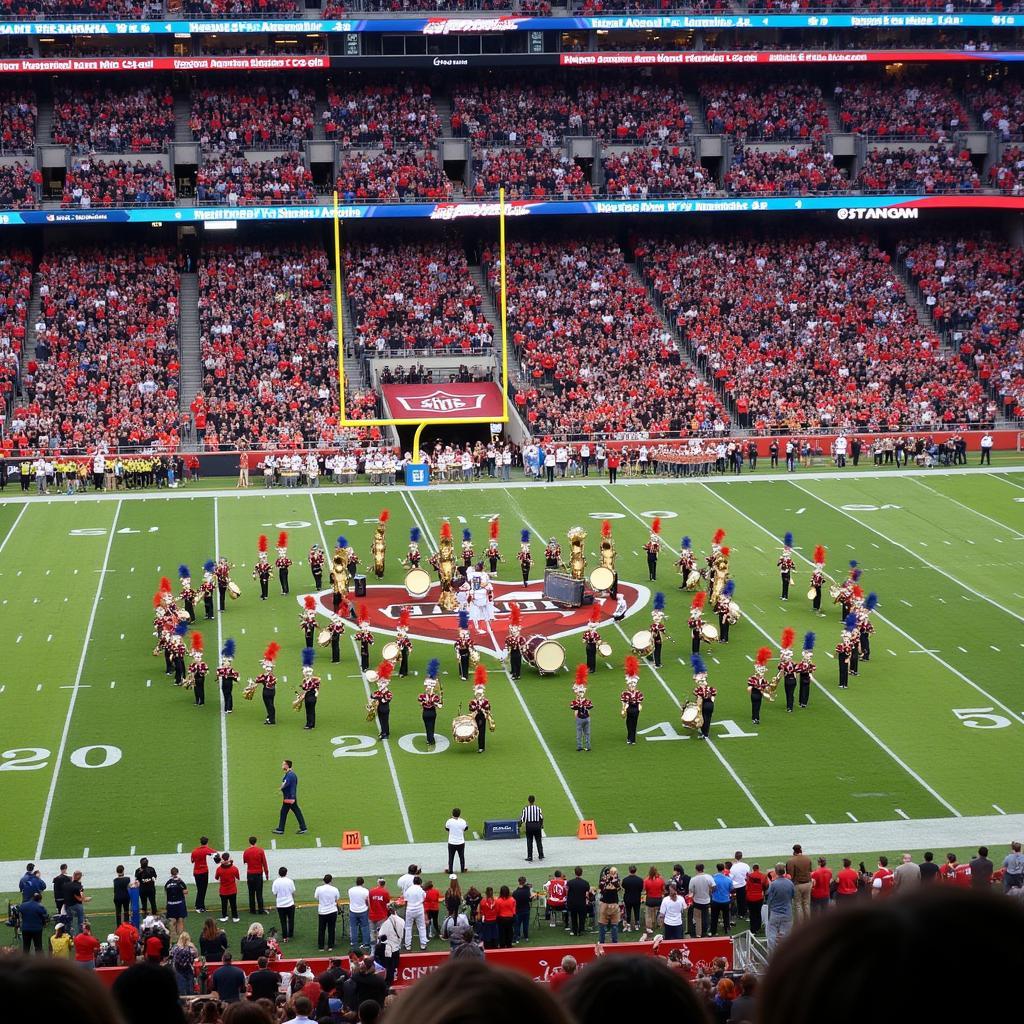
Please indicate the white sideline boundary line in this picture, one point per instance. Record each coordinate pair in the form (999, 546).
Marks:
(403, 810)
(417, 514)
(225, 801)
(59, 757)
(14, 526)
(846, 711)
(967, 508)
(1006, 480)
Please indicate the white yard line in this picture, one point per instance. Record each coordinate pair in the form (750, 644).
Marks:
(14, 526)
(967, 508)
(225, 800)
(59, 757)
(1006, 479)
(402, 809)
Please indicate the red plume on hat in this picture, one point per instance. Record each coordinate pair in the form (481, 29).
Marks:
(364, 613)
(725, 551)
(606, 529)
(271, 652)
(581, 675)
(165, 585)
(446, 531)
(787, 638)
(404, 616)
(197, 642)
(495, 526)
(156, 601)
(515, 614)
(719, 536)
(595, 614)
(697, 604)
(384, 516)
(819, 554)
(262, 543)
(384, 670)
(480, 676)
(632, 665)
(858, 591)
(764, 655)
(656, 525)
(310, 602)
(282, 539)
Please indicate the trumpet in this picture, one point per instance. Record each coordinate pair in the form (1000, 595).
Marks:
(300, 699)
(371, 710)
(773, 685)
(250, 690)
(490, 722)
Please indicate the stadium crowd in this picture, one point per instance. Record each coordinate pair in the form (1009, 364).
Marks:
(799, 170)
(921, 111)
(91, 183)
(113, 119)
(364, 116)
(668, 170)
(15, 293)
(1000, 108)
(769, 111)
(529, 172)
(134, 9)
(939, 168)
(273, 113)
(234, 181)
(19, 185)
(17, 121)
(389, 176)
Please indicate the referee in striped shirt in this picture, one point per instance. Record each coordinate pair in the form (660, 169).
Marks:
(533, 819)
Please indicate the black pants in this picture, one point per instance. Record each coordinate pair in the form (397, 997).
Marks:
(986, 457)
(264, 587)
(390, 965)
(515, 662)
(310, 706)
(208, 605)
(805, 688)
(586, 465)
(122, 910)
(325, 925)
(310, 634)
(384, 719)
(632, 717)
(723, 629)
(755, 706)
(336, 597)
(364, 656)
(231, 901)
(695, 642)
(221, 591)
(202, 884)
(719, 910)
(786, 579)
(199, 690)
(318, 578)
(844, 672)
(855, 659)
(335, 648)
(255, 885)
(268, 703)
(549, 472)
(296, 810)
(865, 647)
(652, 566)
(286, 915)
(191, 609)
(741, 901)
(816, 604)
(708, 710)
(755, 907)
(226, 688)
(613, 475)
(591, 656)
(481, 731)
(30, 939)
(456, 850)
(577, 921)
(403, 664)
(505, 930)
(464, 664)
(533, 835)
(147, 896)
(789, 685)
(631, 914)
(657, 654)
(282, 575)
(526, 576)
(429, 721)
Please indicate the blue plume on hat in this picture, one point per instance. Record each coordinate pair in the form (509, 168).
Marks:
(871, 601)
(788, 539)
(463, 620)
(342, 542)
(686, 542)
(698, 664)
(809, 639)
(228, 650)
(414, 535)
(181, 629)
(856, 575)
(525, 536)
(850, 622)
(466, 535)
(730, 588)
(308, 654)
(853, 563)
(183, 570)
(433, 667)
(659, 602)
(209, 565)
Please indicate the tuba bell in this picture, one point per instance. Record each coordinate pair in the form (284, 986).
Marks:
(300, 699)
(371, 710)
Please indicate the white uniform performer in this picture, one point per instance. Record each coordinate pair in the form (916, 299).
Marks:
(481, 602)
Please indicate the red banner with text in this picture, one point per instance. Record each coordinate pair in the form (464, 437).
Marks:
(442, 401)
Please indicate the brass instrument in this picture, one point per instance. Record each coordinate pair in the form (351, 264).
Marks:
(623, 709)
(490, 722)
(773, 685)
(834, 591)
(693, 579)
(719, 579)
(446, 574)
(378, 548)
(300, 699)
(339, 574)
(734, 613)
(577, 557)
(608, 553)
(371, 710)
(250, 690)
(474, 657)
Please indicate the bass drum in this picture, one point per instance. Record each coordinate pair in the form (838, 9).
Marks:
(234, 591)
(708, 633)
(464, 729)
(391, 652)
(812, 593)
(370, 676)
(417, 582)
(691, 715)
(693, 579)
(642, 643)
(323, 638)
(602, 578)
(604, 649)
(546, 656)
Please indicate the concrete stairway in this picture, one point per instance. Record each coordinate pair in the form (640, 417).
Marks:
(188, 342)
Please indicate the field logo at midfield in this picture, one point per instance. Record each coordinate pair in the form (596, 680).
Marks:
(384, 604)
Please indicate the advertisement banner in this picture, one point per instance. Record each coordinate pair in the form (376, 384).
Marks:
(63, 65)
(442, 401)
(692, 58)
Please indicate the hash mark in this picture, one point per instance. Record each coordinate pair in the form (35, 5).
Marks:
(994, 648)
(632, 827)
(903, 814)
(810, 819)
(722, 823)
(962, 650)
(849, 814)
(998, 808)
(678, 827)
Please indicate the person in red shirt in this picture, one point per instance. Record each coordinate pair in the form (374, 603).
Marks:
(506, 907)
(883, 880)
(86, 947)
(432, 908)
(227, 876)
(379, 900)
(654, 893)
(821, 886)
(127, 940)
(489, 919)
(757, 883)
(557, 979)
(256, 872)
(201, 871)
(846, 882)
(955, 872)
(153, 949)
(558, 899)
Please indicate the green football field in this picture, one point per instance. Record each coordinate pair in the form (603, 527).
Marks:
(102, 753)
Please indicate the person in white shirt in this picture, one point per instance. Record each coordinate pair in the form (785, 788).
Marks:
(284, 895)
(585, 457)
(738, 874)
(327, 897)
(986, 450)
(359, 914)
(414, 916)
(561, 459)
(549, 466)
(404, 881)
(390, 933)
(670, 913)
(456, 827)
(506, 463)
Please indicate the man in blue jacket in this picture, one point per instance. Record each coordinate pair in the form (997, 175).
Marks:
(289, 799)
(33, 919)
(31, 882)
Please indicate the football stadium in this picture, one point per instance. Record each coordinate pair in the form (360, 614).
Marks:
(604, 601)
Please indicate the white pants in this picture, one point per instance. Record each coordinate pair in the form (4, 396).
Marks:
(420, 919)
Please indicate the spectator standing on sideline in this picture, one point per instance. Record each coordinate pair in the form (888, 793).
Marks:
(981, 869)
(577, 894)
(670, 913)
(632, 898)
(757, 882)
(145, 875)
(327, 899)
(389, 937)
(227, 878)
(415, 914)
(929, 869)
(30, 883)
(201, 871)
(74, 903)
(86, 948)
(907, 874)
(379, 901)
(289, 799)
(33, 919)
(122, 898)
(456, 827)
(779, 902)
(175, 892)
(533, 821)
(701, 886)
(263, 982)
(1013, 868)
(228, 981)
(359, 914)
(284, 897)
(986, 450)
(58, 883)
(821, 886)
(654, 893)
(256, 870)
(738, 873)
(798, 867)
(721, 899)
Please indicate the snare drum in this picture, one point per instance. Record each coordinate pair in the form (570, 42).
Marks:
(604, 649)
(643, 643)
(693, 580)
(417, 582)
(183, 616)
(708, 633)
(391, 652)
(370, 676)
(691, 715)
(812, 593)
(464, 729)
(546, 656)
(234, 591)
(323, 638)
(602, 578)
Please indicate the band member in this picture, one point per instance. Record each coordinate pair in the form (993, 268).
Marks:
(227, 674)
(581, 707)
(608, 554)
(337, 628)
(463, 645)
(786, 565)
(206, 588)
(282, 561)
(381, 699)
(379, 544)
(310, 687)
(412, 559)
(716, 549)
(723, 612)
(467, 549)
(525, 558)
(268, 681)
(805, 668)
(591, 638)
(653, 548)
(515, 642)
(843, 651)
(552, 554)
(403, 641)
(757, 686)
(187, 595)
(856, 603)
(696, 621)
(866, 626)
(481, 598)
(261, 571)
(704, 693)
(316, 566)
(492, 553)
(621, 607)
(686, 564)
(364, 637)
(198, 669)
(307, 620)
(430, 700)
(632, 698)
(339, 575)
(222, 570)
(845, 596)
(787, 667)
(163, 630)
(658, 626)
(351, 560)
(177, 649)
(818, 578)
(480, 708)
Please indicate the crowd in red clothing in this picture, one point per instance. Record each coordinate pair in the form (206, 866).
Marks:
(885, 109)
(1000, 108)
(217, 8)
(769, 110)
(399, 6)
(19, 185)
(392, 175)
(810, 333)
(92, 183)
(381, 115)
(799, 170)
(261, 114)
(105, 366)
(235, 181)
(938, 168)
(15, 290)
(412, 297)
(589, 8)
(1007, 173)
(135, 9)
(528, 172)
(17, 121)
(594, 351)
(665, 170)
(113, 119)
(975, 289)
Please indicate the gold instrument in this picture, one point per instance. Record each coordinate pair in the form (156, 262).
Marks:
(190, 681)
(691, 715)
(300, 699)
(812, 593)
(719, 579)
(773, 686)
(378, 548)
(234, 591)
(446, 574)
(371, 710)
(250, 690)
(623, 709)
(577, 557)
(834, 591)
(608, 554)
(490, 722)
(693, 579)
(339, 574)
(734, 613)
(474, 657)
(604, 649)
